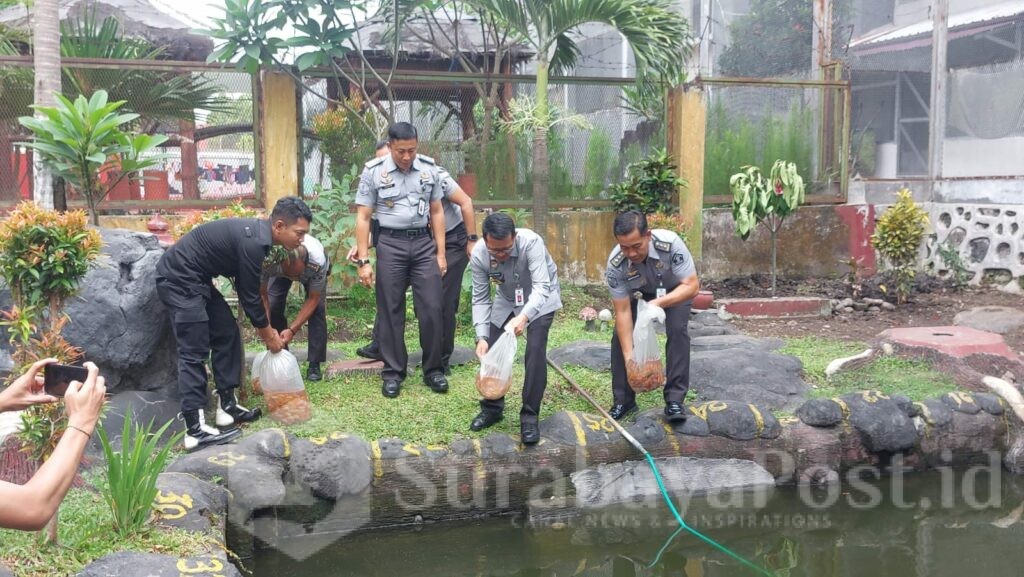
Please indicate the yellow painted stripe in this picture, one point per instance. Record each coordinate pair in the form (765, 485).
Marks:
(671, 434)
(581, 435)
(378, 466)
(843, 406)
(759, 418)
(287, 446)
(481, 470)
(411, 449)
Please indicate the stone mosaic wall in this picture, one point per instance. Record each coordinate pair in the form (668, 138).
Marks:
(988, 238)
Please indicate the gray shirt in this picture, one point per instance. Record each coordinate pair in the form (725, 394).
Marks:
(400, 199)
(529, 269)
(452, 211)
(314, 275)
(668, 263)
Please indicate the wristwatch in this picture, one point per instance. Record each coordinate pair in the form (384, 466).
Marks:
(361, 261)
(473, 237)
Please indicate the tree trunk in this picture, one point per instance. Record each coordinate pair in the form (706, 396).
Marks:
(46, 63)
(50, 530)
(541, 166)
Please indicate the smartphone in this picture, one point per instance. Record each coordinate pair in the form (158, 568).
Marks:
(56, 378)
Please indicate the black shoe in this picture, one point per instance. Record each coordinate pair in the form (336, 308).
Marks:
(198, 434)
(437, 383)
(391, 388)
(675, 412)
(370, 351)
(313, 372)
(229, 412)
(485, 419)
(619, 412)
(529, 433)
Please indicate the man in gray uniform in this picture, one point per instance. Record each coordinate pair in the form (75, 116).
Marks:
(460, 238)
(656, 265)
(404, 190)
(309, 266)
(526, 294)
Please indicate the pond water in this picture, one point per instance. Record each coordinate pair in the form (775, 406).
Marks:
(944, 523)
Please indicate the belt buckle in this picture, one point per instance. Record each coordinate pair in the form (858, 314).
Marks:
(412, 232)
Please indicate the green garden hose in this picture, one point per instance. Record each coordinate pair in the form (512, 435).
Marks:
(657, 477)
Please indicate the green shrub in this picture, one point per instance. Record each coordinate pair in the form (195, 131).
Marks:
(898, 236)
(650, 186)
(598, 164)
(131, 473)
(334, 223)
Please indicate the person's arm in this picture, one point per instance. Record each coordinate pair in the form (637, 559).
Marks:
(28, 507)
(264, 295)
(624, 326)
(437, 227)
(363, 214)
(465, 204)
(481, 300)
(684, 291)
(26, 390)
(540, 289)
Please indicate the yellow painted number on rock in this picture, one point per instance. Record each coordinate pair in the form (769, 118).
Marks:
(172, 506)
(226, 459)
(596, 424)
(873, 396)
(212, 567)
(961, 398)
(716, 406)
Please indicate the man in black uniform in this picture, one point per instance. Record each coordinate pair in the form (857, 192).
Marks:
(309, 266)
(202, 321)
(403, 189)
(656, 265)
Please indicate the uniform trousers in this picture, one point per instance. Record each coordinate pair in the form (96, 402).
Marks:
(203, 324)
(677, 349)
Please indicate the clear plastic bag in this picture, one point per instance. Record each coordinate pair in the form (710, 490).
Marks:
(644, 370)
(495, 376)
(254, 372)
(283, 389)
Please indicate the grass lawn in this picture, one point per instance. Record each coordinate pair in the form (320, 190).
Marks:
(85, 529)
(355, 404)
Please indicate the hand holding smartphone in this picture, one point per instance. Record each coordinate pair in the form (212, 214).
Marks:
(57, 377)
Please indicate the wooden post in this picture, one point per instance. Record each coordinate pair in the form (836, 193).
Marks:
(279, 137)
(937, 107)
(189, 160)
(687, 120)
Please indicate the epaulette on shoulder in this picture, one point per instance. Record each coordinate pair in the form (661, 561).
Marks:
(617, 259)
(374, 162)
(663, 246)
(425, 158)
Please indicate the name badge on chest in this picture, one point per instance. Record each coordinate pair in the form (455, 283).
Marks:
(520, 297)
(422, 209)
(660, 292)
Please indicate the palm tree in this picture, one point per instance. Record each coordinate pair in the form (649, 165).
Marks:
(658, 35)
(46, 63)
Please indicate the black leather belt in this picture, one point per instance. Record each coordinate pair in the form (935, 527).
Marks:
(406, 232)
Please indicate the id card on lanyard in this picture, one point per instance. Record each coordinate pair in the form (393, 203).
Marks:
(660, 292)
(520, 298)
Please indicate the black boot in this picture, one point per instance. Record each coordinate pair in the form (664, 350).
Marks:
(198, 434)
(313, 372)
(370, 351)
(229, 412)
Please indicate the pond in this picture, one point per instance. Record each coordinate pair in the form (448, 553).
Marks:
(948, 522)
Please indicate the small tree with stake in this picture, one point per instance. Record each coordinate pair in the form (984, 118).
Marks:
(768, 201)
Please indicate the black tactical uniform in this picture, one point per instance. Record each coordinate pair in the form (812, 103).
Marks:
(202, 320)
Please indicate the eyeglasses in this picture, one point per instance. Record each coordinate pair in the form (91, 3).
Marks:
(500, 251)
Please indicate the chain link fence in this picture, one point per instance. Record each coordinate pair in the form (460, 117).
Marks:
(889, 52)
(463, 123)
(206, 113)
